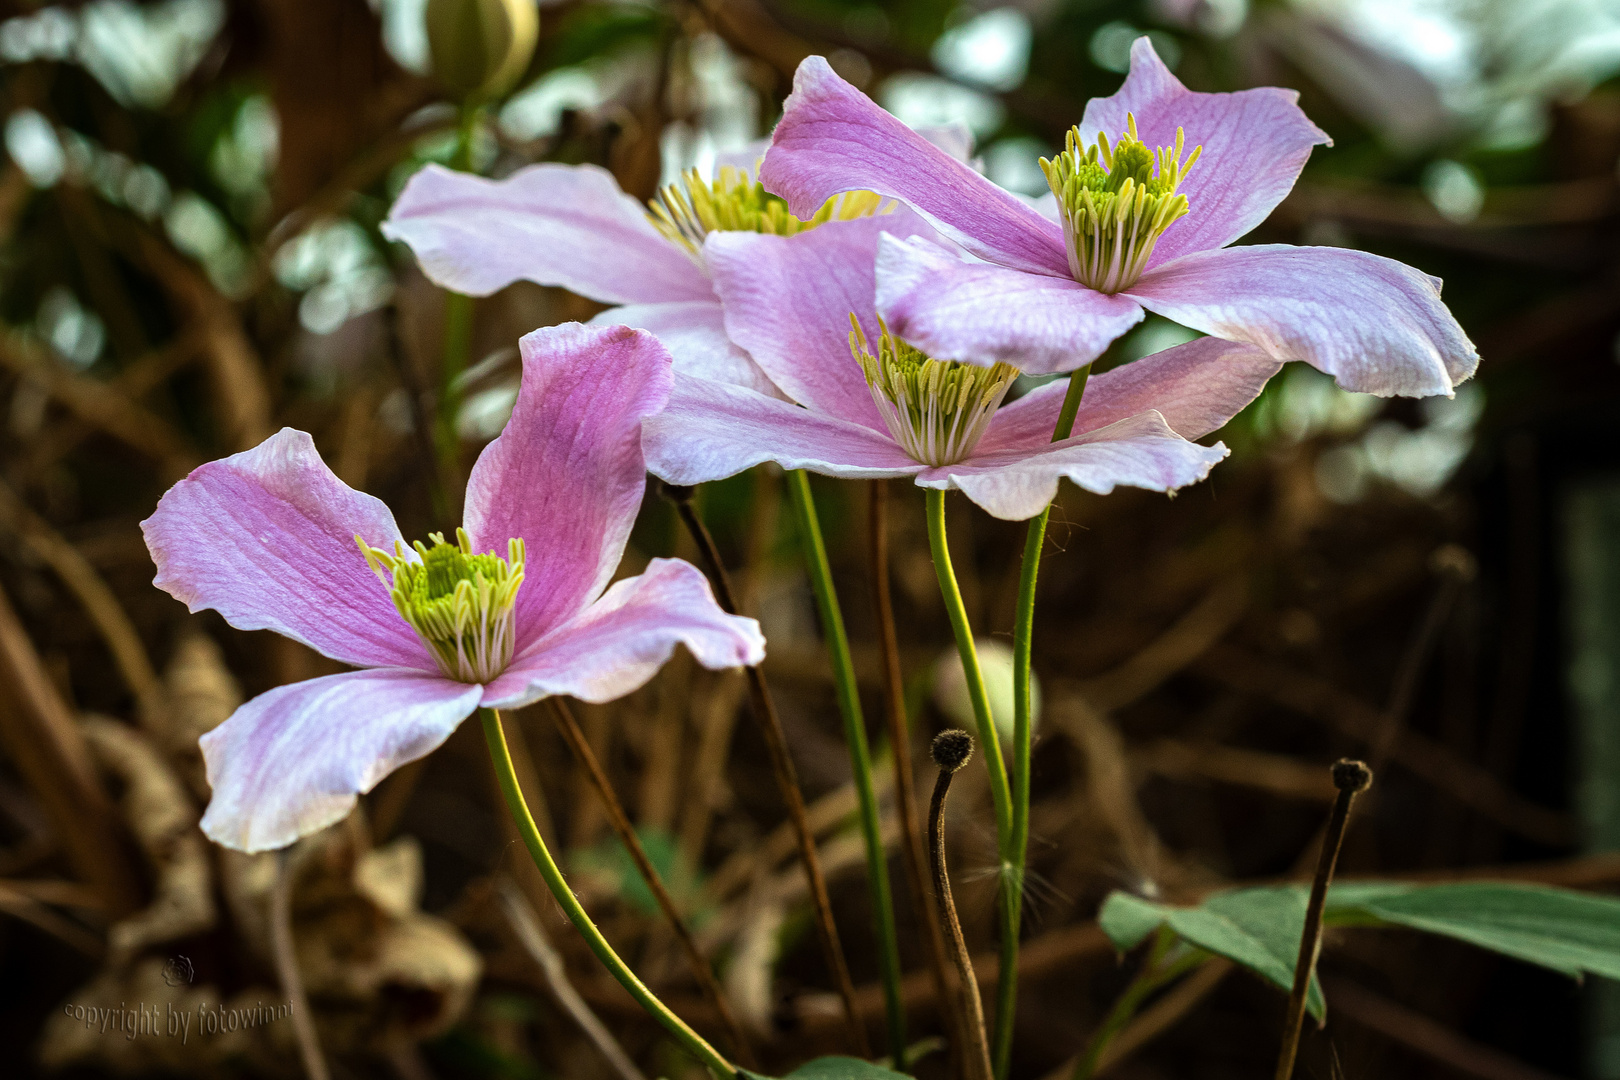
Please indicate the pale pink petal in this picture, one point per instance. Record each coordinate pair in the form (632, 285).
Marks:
(292, 761)
(565, 225)
(833, 138)
(788, 300)
(694, 332)
(710, 430)
(1196, 387)
(1139, 452)
(981, 313)
(1374, 324)
(266, 538)
(621, 641)
(567, 474)
(1255, 144)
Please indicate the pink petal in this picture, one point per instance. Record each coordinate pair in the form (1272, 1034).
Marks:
(1139, 452)
(957, 310)
(567, 474)
(1196, 387)
(788, 301)
(565, 225)
(1374, 324)
(694, 332)
(833, 138)
(710, 430)
(621, 641)
(266, 538)
(293, 760)
(1255, 144)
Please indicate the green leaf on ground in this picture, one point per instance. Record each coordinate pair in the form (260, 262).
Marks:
(1258, 928)
(1570, 932)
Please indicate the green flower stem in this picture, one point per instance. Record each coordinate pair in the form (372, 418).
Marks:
(990, 741)
(458, 320)
(849, 704)
(507, 778)
(1154, 974)
(1023, 632)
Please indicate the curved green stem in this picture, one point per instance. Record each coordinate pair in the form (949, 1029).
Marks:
(507, 778)
(1023, 632)
(458, 319)
(1157, 970)
(1011, 878)
(849, 704)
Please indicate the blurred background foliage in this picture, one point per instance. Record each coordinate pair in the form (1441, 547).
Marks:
(189, 259)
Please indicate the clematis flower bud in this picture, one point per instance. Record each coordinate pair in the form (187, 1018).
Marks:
(996, 665)
(481, 47)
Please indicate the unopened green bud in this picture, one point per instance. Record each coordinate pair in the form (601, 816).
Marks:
(481, 47)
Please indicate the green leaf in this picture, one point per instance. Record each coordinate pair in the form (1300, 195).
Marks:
(1129, 919)
(834, 1068)
(1258, 928)
(1571, 932)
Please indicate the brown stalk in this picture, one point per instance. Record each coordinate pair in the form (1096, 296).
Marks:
(787, 780)
(39, 734)
(526, 924)
(1351, 778)
(951, 751)
(894, 708)
(285, 957)
(98, 600)
(575, 738)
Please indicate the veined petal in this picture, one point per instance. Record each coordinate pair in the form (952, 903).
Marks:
(1196, 387)
(564, 225)
(293, 760)
(1255, 142)
(980, 313)
(694, 332)
(710, 430)
(567, 474)
(788, 300)
(1375, 325)
(833, 138)
(619, 642)
(1139, 452)
(266, 538)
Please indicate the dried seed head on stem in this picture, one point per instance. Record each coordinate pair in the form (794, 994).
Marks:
(1351, 778)
(951, 750)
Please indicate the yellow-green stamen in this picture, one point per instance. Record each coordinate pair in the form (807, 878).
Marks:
(1116, 201)
(938, 410)
(735, 202)
(459, 603)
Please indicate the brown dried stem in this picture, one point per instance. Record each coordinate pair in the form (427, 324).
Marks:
(951, 751)
(581, 748)
(787, 780)
(894, 708)
(1351, 778)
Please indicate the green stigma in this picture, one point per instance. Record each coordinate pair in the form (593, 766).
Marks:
(459, 603)
(938, 410)
(735, 202)
(1115, 204)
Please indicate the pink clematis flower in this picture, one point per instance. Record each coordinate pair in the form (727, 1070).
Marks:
(514, 611)
(1154, 184)
(866, 404)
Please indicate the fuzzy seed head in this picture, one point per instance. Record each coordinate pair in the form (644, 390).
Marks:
(951, 749)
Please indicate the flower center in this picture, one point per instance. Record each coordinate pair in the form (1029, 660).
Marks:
(938, 410)
(1115, 205)
(735, 202)
(460, 604)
